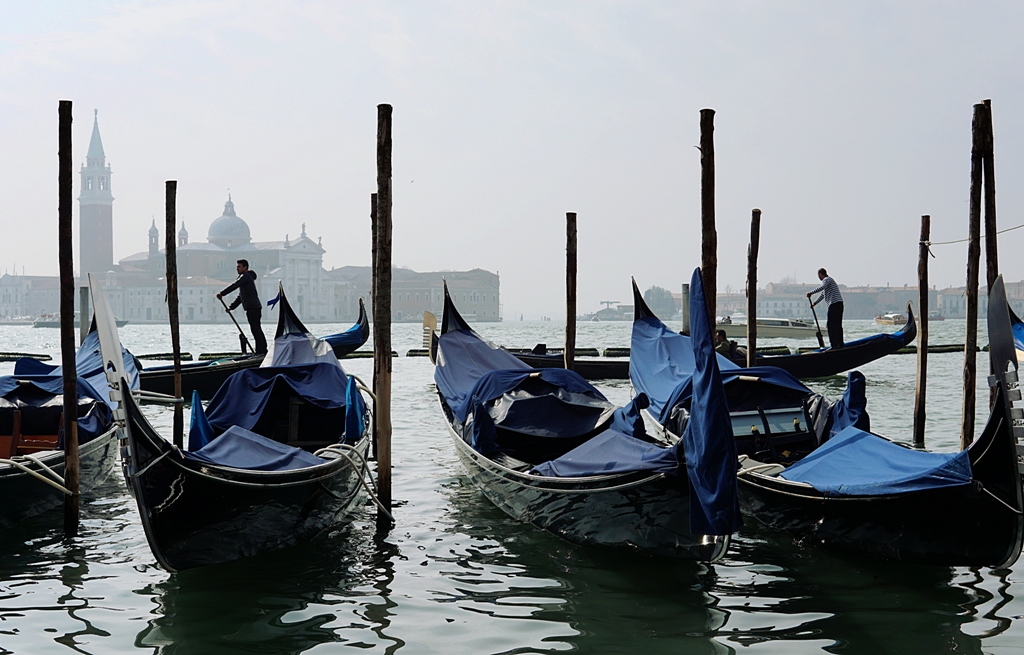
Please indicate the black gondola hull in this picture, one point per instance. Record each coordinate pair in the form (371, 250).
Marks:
(204, 377)
(25, 496)
(639, 512)
(197, 515)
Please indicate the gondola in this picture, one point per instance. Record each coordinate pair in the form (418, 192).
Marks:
(774, 417)
(207, 377)
(807, 365)
(277, 457)
(32, 444)
(549, 449)
(1017, 328)
(864, 494)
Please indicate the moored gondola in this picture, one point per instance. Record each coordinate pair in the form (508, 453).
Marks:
(862, 493)
(277, 457)
(549, 449)
(31, 443)
(207, 377)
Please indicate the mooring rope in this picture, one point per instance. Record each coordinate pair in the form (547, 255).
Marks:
(342, 450)
(59, 486)
(929, 244)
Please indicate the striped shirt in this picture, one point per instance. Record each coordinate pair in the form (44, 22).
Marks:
(829, 292)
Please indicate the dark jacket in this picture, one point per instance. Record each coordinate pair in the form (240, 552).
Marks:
(247, 296)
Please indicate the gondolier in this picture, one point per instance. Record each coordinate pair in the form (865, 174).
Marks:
(834, 301)
(250, 301)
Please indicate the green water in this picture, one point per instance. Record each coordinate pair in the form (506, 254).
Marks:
(456, 575)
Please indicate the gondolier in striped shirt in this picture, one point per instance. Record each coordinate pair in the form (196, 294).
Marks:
(834, 301)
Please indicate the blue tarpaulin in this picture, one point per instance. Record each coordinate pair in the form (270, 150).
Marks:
(661, 365)
(241, 449)
(352, 337)
(858, 463)
(851, 410)
(88, 365)
(243, 396)
(97, 421)
(610, 452)
(708, 441)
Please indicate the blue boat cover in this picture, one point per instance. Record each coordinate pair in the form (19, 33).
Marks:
(858, 463)
(852, 409)
(610, 452)
(241, 449)
(463, 358)
(240, 401)
(200, 431)
(352, 337)
(1018, 331)
(97, 421)
(708, 442)
(88, 365)
(882, 336)
(662, 364)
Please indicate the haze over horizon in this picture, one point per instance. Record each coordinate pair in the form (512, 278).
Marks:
(843, 123)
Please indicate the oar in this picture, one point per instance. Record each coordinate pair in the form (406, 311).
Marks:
(244, 342)
(821, 342)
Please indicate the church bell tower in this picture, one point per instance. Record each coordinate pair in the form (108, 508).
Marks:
(96, 215)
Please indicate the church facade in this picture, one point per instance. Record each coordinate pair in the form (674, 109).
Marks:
(137, 289)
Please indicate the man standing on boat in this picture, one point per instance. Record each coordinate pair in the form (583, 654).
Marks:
(834, 300)
(250, 301)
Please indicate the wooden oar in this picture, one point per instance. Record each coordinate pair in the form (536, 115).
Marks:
(821, 342)
(247, 347)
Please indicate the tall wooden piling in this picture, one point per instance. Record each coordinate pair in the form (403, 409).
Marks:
(755, 241)
(685, 302)
(973, 262)
(570, 290)
(171, 275)
(922, 333)
(382, 314)
(989, 169)
(373, 305)
(708, 233)
(67, 320)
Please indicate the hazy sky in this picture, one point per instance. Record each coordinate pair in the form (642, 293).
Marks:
(842, 121)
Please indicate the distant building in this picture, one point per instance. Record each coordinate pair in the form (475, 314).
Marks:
(95, 209)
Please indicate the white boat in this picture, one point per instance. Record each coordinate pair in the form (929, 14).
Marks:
(891, 319)
(772, 328)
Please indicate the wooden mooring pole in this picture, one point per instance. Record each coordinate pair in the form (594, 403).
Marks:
(973, 262)
(991, 228)
(382, 315)
(755, 241)
(708, 234)
(83, 311)
(570, 290)
(171, 275)
(922, 332)
(685, 301)
(373, 305)
(67, 321)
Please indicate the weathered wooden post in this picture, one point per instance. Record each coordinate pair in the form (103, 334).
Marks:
(171, 275)
(685, 301)
(991, 229)
(67, 320)
(922, 333)
(755, 239)
(382, 315)
(708, 234)
(570, 290)
(973, 262)
(373, 305)
(83, 310)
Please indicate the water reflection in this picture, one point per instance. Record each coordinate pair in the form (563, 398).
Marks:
(332, 590)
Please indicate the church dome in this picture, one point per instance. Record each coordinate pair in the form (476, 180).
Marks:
(229, 230)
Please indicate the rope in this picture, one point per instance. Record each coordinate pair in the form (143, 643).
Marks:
(946, 243)
(1001, 501)
(58, 486)
(339, 450)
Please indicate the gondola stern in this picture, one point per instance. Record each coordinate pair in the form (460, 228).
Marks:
(640, 308)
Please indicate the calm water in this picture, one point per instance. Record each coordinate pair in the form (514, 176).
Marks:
(457, 576)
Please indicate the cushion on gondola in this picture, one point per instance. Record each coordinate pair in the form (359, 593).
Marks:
(858, 463)
(241, 449)
(610, 452)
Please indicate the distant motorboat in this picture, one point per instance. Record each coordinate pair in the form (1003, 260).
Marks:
(53, 321)
(771, 328)
(935, 316)
(892, 319)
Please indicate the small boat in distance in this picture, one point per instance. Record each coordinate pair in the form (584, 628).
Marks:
(53, 321)
(771, 328)
(892, 318)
